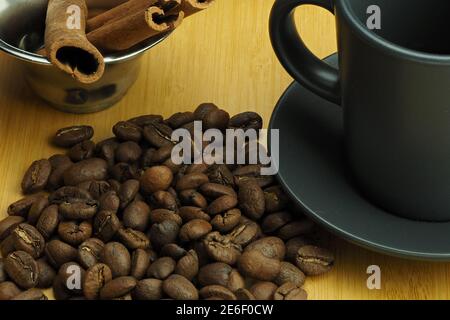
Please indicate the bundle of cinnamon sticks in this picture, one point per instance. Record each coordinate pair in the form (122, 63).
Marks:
(76, 44)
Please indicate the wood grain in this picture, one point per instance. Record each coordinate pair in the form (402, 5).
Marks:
(223, 56)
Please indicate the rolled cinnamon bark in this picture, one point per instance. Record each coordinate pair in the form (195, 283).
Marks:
(66, 44)
(189, 7)
(133, 29)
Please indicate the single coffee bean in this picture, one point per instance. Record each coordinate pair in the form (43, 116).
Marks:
(74, 233)
(127, 192)
(148, 289)
(156, 179)
(216, 119)
(7, 245)
(222, 274)
(31, 295)
(59, 163)
(106, 224)
(172, 250)
(251, 199)
(82, 151)
(117, 257)
(227, 221)
(216, 190)
(133, 239)
(161, 268)
(106, 150)
(128, 152)
(8, 290)
(36, 177)
(191, 181)
(96, 188)
(188, 265)
(22, 269)
(68, 194)
(89, 252)
(70, 136)
(203, 109)
(221, 248)
(22, 206)
(290, 291)
(252, 172)
(194, 229)
(164, 200)
(48, 221)
(96, 278)
(245, 233)
(275, 198)
(163, 233)
(313, 260)
(161, 215)
(246, 120)
(263, 290)
(220, 174)
(36, 209)
(180, 118)
(46, 274)
(217, 291)
(140, 261)
(191, 197)
(117, 287)
(127, 131)
(79, 210)
(136, 216)
(179, 288)
(58, 253)
(296, 228)
(8, 224)
(293, 245)
(27, 238)
(89, 169)
(271, 247)
(244, 294)
(158, 134)
(146, 160)
(256, 265)
(274, 221)
(160, 155)
(60, 290)
(72, 276)
(145, 120)
(290, 273)
(109, 202)
(190, 213)
(222, 204)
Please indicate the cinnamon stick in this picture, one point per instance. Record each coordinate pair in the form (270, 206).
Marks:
(66, 43)
(124, 33)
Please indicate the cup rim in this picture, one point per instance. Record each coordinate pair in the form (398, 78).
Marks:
(109, 59)
(386, 45)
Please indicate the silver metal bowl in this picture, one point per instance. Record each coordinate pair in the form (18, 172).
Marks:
(22, 26)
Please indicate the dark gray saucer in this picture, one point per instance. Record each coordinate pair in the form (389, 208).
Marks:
(312, 169)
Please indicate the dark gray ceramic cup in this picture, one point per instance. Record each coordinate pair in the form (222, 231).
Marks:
(394, 86)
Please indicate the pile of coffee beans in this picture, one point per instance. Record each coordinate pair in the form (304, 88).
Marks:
(119, 220)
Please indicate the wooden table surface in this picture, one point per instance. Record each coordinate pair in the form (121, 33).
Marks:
(222, 56)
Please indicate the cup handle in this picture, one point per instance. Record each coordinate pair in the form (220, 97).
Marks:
(293, 54)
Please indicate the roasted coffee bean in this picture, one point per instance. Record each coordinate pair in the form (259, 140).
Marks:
(164, 200)
(127, 131)
(313, 260)
(222, 274)
(216, 119)
(216, 190)
(96, 278)
(48, 221)
(191, 197)
(146, 160)
(8, 224)
(72, 276)
(82, 151)
(59, 163)
(244, 294)
(220, 174)
(109, 202)
(246, 120)
(162, 154)
(203, 109)
(245, 233)
(74, 233)
(27, 238)
(148, 289)
(106, 224)
(89, 252)
(221, 248)
(59, 290)
(158, 134)
(22, 206)
(290, 291)
(172, 250)
(117, 257)
(161, 268)
(3, 275)
(22, 269)
(256, 265)
(7, 245)
(251, 199)
(128, 152)
(8, 290)
(79, 210)
(274, 221)
(156, 179)
(222, 204)
(70, 136)
(252, 172)
(36, 177)
(180, 118)
(96, 188)
(290, 273)
(191, 213)
(271, 247)
(179, 288)
(194, 229)
(161, 215)
(227, 221)
(263, 290)
(115, 185)
(191, 181)
(140, 261)
(295, 228)
(144, 120)
(217, 291)
(36, 209)
(127, 192)
(293, 245)
(68, 194)
(275, 199)
(136, 216)
(31, 295)
(117, 287)
(163, 233)
(46, 274)
(58, 253)
(188, 265)
(89, 169)
(133, 239)
(124, 171)
(106, 150)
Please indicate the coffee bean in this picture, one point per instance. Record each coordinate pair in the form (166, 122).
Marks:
(290, 291)
(89, 252)
(148, 289)
(295, 228)
(36, 209)
(128, 152)
(216, 119)
(60, 290)
(252, 172)
(82, 151)
(222, 204)
(163, 233)
(70, 136)
(68, 194)
(7, 245)
(144, 120)
(245, 233)
(194, 229)
(203, 109)
(191, 213)
(263, 290)
(136, 215)
(161, 215)
(46, 274)
(244, 294)
(79, 210)
(156, 179)
(191, 181)
(36, 177)
(109, 202)
(106, 224)
(172, 250)
(179, 288)
(48, 221)
(96, 188)
(217, 291)
(158, 134)
(216, 190)
(271, 247)
(117, 287)
(188, 265)
(222, 274)
(58, 253)
(8, 224)
(22, 269)
(221, 248)
(106, 150)
(59, 163)
(191, 197)
(251, 199)
(313, 260)
(290, 273)
(74, 233)
(293, 245)
(256, 265)
(22, 206)
(31, 295)
(8, 290)
(227, 221)
(180, 118)
(140, 261)
(274, 221)
(127, 131)
(161, 268)
(117, 257)
(27, 238)
(127, 192)
(246, 120)
(89, 169)
(275, 199)
(133, 239)
(96, 278)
